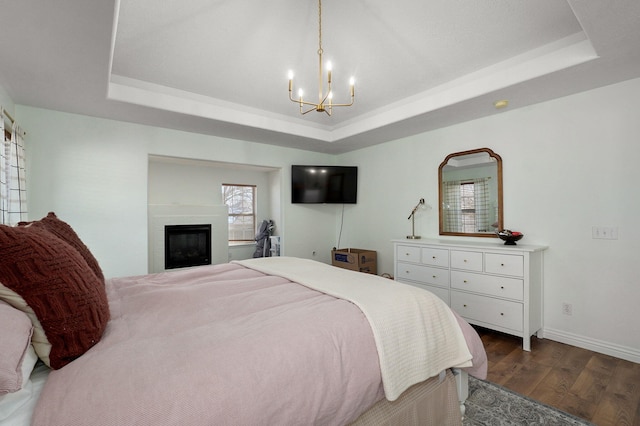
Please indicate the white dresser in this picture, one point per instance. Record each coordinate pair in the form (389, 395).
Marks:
(488, 284)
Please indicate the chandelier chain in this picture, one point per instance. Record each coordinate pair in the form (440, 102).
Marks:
(320, 26)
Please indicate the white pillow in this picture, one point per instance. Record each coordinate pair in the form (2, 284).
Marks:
(16, 330)
(12, 402)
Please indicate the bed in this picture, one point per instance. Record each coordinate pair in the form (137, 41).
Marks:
(270, 341)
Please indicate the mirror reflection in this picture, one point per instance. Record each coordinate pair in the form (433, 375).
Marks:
(470, 193)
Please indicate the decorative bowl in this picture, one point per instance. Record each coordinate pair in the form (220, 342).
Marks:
(510, 237)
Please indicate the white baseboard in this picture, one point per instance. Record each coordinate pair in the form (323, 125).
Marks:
(600, 346)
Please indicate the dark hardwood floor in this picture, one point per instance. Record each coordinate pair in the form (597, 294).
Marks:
(599, 388)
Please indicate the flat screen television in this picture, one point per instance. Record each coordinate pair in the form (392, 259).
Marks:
(324, 184)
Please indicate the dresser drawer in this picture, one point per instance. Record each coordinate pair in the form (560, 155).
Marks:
(408, 254)
(467, 260)
(435, 257)
(500, 313)
(510, 288)
(423, 274)
(505, 264)
(442, 293)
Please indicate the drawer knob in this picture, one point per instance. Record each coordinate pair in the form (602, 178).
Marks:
(502, 287)
(465, 281)
(433, 257)
(464, 306)
(407, 272)
(465, 261)
(407, 254)
(433, 276)
(502, 313)
(502, 264)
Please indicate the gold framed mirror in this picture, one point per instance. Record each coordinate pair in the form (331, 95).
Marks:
(470, 193)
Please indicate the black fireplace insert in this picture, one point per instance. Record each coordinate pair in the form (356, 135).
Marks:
(187, 245)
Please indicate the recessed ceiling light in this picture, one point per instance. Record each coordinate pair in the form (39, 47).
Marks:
(501, 104)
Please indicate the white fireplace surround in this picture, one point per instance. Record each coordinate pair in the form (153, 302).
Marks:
(161, 215)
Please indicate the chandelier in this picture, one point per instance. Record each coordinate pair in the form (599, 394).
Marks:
(325, 99)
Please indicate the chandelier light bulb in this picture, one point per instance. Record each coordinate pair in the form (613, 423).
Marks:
(290, 74)
(300, 92)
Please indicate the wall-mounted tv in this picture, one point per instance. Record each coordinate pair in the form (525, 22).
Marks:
(324, 184)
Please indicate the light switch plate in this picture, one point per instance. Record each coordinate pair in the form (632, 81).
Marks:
(604, 233)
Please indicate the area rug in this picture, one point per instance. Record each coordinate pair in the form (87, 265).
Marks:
(492, 405)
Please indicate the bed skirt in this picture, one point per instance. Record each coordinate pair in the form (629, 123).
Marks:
(433, 402)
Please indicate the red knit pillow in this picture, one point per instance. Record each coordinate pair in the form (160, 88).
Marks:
(65, 232)
(50, 281)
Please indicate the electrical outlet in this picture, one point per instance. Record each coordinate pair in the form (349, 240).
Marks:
(567, 309)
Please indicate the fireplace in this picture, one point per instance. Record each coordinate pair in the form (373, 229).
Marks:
(187, 245)
(163, 215)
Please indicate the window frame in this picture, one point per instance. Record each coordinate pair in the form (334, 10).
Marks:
(251, 215)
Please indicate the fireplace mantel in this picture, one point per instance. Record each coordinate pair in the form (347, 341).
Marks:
(161, 215)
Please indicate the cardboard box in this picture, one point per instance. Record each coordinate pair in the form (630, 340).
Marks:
(355, 259)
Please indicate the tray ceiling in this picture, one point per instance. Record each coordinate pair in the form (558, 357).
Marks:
(220, 67)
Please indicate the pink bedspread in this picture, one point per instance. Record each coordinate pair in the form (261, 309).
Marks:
(218, 345)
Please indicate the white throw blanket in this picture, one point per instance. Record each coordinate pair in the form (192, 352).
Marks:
(417, 335)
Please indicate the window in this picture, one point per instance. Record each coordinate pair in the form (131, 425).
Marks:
(13, 185)
(466, 206)
(242, 211)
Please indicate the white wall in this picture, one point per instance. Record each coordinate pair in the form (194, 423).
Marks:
(568, 165)
(175, 181)
(5, 101)
(93, 174)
